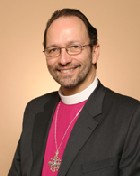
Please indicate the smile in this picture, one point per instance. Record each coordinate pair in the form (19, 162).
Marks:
(68, 70)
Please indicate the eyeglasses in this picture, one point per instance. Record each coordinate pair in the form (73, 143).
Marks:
(71, 50)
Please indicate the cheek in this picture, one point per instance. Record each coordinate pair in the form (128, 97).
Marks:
(86, 59)
(50, 63)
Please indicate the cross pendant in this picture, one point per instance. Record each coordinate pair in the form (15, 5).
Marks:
(55, 162)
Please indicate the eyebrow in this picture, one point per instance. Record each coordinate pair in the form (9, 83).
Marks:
(69, 43)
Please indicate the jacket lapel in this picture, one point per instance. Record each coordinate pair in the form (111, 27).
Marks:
(85, 124)
(40, 132)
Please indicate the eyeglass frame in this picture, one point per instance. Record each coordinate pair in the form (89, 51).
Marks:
(66, 49)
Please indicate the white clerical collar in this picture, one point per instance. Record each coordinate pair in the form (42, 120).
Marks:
(79, 97)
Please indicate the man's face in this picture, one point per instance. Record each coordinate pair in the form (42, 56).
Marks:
(70, 71)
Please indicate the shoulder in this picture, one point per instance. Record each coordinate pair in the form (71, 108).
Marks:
(38, 102)
(120, 101)
(44, 98)
(120, 98)
(37, 105)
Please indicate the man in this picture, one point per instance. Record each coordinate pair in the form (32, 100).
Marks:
(84, 128)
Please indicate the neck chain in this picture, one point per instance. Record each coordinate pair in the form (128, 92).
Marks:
(55, 162)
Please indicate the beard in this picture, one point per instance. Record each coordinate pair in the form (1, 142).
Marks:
(68, 81)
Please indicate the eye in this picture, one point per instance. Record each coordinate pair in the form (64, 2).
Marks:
(74, 48)
(53, 50)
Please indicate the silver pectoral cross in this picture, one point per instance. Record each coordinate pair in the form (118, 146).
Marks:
(55, 162)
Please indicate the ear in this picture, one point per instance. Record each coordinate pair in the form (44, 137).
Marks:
(95, 53)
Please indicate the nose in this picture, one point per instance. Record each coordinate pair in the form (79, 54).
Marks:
(65, 58)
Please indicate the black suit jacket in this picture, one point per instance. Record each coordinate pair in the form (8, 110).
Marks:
(105, 140)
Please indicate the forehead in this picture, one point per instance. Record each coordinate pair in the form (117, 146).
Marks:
(67, 28)
(67, 20)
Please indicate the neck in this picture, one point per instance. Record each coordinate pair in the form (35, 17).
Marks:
(81, 96)
(78, 88)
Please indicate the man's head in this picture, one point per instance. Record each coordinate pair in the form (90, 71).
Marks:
(92, 32)
(71, 49)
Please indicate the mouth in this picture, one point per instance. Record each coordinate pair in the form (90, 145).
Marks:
(67, 70)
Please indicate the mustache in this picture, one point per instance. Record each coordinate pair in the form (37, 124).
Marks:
(68, 66)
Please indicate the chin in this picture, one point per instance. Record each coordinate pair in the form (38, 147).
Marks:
(69, 86)
(69, 83)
